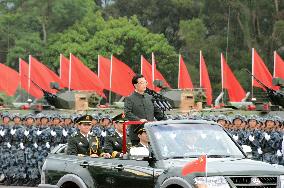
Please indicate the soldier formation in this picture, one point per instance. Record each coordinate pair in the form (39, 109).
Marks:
(26, 140)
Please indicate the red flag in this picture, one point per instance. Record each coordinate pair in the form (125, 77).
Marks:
(82, 78)
(156, 74)
(146, 71)
(64, 70)
(229, 82)
(104, 71)
(151, 73)
(110, 72)
(278, 66)
(42, 75)
(198, 165)
(25, 83)
(204, 80)
(260, 71)
(9, 80)
(184, 80)
(121, 77)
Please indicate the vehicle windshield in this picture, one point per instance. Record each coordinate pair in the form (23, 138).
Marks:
(193, 140)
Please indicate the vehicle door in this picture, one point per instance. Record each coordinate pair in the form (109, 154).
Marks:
(132, 173)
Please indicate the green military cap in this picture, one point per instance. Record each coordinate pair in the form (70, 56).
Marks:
(139, 129)
(84, 119)
(120, 118)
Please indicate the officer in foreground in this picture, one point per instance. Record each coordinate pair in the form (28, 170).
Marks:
(113, 143)
(82, 143)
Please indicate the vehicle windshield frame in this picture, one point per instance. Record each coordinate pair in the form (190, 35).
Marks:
(157, 150)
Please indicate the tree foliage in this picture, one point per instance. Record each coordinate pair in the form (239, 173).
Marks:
(130, 28)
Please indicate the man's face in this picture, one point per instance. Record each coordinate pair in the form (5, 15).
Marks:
(67, 121)
(141, 85)
(252, 123)
(44, 121)
(143, 137)
(30, 121)
(118, 126)
(17, 120)
(105, 122)
(237, 122)
(84, 127)
(56, 121)
(222, 122)
(270, 124)
(6, 120)
(94, 122)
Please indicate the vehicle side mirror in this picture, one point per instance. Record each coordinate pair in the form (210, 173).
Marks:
(247, 149)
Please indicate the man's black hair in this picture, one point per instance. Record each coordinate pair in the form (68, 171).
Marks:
(135, 78)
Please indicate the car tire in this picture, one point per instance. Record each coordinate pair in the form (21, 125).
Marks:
(175, 181)
(71, 178)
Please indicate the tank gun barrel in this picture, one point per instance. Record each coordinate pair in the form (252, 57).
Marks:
(276, 97)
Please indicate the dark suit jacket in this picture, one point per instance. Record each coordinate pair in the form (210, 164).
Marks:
(138, 107)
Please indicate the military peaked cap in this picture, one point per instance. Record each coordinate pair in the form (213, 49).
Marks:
(139, 129)
(84, 119)
(120, 118)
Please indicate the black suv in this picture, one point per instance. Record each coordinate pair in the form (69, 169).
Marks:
(173, 143)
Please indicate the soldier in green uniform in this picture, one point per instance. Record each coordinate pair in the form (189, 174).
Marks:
(83, 143)
(113, 143)
(139, 107)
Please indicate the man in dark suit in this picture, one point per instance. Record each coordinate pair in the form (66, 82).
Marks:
(83, 143)
(139, 107)
(113, 143)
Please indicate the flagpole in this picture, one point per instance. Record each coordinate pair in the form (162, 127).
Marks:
(228, 28)
(29, 80)
(70, 71)
(153, 70)
(222, 76)
(179, 71)
(274, 59)
(20, 73)
(99, 66)
(200, 74)
(252, 70)
(60, 69)
(141, 65)
(110, 80)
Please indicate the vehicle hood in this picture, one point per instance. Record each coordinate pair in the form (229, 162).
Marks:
(228, 167)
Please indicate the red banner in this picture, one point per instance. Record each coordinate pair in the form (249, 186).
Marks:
(260, 71)
(235, 91)
(64, 70)
(204, 80)
(198, 165)
(42, 75)
(184, 80)
(25, 83)
(9, 80)
(82, 78)
(278, 66)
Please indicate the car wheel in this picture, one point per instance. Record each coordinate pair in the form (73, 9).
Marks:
(175, 182)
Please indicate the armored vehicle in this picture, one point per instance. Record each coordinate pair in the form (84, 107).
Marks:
(69, 99)
(173, 144)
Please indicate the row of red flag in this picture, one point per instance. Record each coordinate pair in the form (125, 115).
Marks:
(114, 75)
